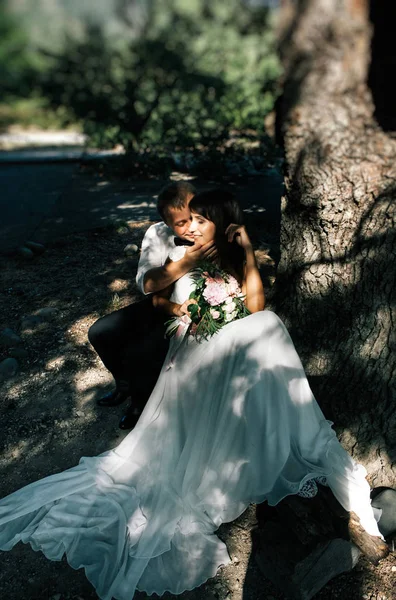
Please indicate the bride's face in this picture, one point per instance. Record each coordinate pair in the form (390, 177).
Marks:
(202, 230)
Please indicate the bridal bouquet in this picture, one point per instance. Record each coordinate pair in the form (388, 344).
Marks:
(218, 301)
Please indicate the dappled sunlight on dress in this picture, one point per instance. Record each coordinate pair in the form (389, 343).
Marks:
(231, 421)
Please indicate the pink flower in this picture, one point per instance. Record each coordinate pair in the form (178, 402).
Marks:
(223, 294)
(233, 286)
(215, 293)
(217, 278)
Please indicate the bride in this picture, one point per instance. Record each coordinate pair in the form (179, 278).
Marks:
(231, 421)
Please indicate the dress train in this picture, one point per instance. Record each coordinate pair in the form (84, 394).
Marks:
(231, 421)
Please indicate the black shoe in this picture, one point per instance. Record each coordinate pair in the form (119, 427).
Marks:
(113, 398)
(129, 420)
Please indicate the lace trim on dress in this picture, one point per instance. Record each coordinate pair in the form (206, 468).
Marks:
(310, 487)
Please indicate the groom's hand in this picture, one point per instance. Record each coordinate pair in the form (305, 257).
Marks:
(199, 252)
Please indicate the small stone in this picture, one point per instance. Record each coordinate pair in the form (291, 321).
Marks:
(79, 413)
(35, 247)
(9, 338)
(25, 253)
(47, 313)
(393, 569)
(31, 321)
(131, 249)
(8, 368)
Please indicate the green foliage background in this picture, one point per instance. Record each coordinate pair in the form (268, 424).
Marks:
(169, 75)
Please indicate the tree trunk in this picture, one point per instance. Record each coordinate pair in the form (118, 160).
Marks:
(335, 286)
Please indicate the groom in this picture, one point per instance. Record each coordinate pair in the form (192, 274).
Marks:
(130, 341)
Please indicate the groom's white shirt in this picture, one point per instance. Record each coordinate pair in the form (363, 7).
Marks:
(157, 245)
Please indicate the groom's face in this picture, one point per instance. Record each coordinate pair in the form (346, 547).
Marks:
(179, 221)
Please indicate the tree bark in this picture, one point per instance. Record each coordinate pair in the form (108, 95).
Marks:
(335, 287)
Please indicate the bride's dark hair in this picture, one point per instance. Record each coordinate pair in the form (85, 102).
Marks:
(222, 208)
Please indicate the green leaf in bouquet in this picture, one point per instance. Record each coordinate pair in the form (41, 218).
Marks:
(194, 311)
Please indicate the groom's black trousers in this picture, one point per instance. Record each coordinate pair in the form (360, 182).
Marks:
(132, 345)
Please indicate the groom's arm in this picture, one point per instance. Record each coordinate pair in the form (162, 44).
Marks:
(161, 301)
(158, 278)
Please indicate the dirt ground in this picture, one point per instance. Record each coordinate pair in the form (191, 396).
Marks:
(49, 417)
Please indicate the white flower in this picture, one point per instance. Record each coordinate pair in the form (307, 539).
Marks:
(229, 307)
(231, 316)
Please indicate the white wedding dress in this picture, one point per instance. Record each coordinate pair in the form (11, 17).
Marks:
(231, 421)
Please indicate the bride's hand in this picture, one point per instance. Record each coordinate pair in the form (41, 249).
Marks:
(238, 234)
(183, 308)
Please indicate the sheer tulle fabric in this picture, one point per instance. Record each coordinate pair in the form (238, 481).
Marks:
(231, 421)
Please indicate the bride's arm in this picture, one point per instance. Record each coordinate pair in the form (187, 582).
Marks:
(252, 285)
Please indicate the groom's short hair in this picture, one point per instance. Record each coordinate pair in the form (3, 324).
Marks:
(174, 195)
